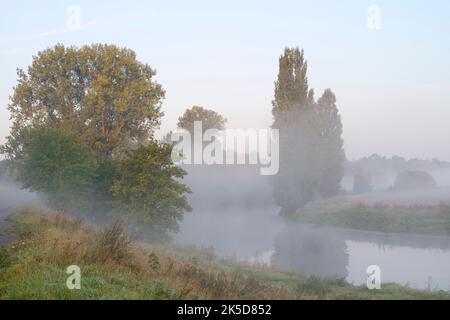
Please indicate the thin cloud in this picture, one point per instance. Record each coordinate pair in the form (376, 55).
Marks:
(52, 33)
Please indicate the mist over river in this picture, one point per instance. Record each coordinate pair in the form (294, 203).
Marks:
(246, 227)
(260, 236)
(241, 221)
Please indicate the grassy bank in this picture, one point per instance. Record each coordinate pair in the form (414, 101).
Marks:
(427, 219)
(114, 266)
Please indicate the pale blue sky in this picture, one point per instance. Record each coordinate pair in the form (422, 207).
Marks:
(392, 85)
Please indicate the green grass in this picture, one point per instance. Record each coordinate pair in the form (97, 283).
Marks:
(381, 217)
(34, 268)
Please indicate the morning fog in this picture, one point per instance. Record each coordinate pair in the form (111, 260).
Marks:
(230, 147)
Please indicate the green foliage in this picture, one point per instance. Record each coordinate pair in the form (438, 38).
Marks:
(5, 260)
(291, 87)
(331, 155)
(143, 185)
(76, 112)
(410, 179)
(58, 164)
(209, 118)
(100, 93)
(148, 187)
(311, 147)
(106, 173)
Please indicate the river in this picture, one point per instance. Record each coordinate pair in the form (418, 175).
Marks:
(258, 235)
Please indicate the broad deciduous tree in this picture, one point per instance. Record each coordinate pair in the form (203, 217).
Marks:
(210, 119)
(100, 93)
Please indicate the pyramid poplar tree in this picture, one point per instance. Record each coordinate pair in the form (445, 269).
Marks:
(311, 147)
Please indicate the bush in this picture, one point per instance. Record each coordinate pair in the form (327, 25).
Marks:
(113, 244)
(148, 188)
(59, 165)
(414, 180)
(143, 185)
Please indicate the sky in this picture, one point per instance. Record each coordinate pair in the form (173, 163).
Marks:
(387, 61)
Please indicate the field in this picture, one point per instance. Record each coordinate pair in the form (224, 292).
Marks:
(116, 266)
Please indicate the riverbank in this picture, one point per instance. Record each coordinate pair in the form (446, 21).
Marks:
(114, 266)
(380, 214)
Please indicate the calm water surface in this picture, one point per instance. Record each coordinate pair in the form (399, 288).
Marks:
(260, 236)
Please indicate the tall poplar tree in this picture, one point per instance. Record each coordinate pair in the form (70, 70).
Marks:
(311, 154)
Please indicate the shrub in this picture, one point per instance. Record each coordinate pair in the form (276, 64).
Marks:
(59, 165)
(148, 188)
(113, 244)
(414, 180)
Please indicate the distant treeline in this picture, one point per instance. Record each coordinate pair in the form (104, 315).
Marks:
(376, 163)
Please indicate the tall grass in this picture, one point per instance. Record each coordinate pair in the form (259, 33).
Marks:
(115, 266)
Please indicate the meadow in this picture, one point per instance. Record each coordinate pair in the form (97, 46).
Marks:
(115, 265)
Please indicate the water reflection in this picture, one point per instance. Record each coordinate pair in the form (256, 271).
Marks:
(311, 251)
(260, 236)
(412, 260)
